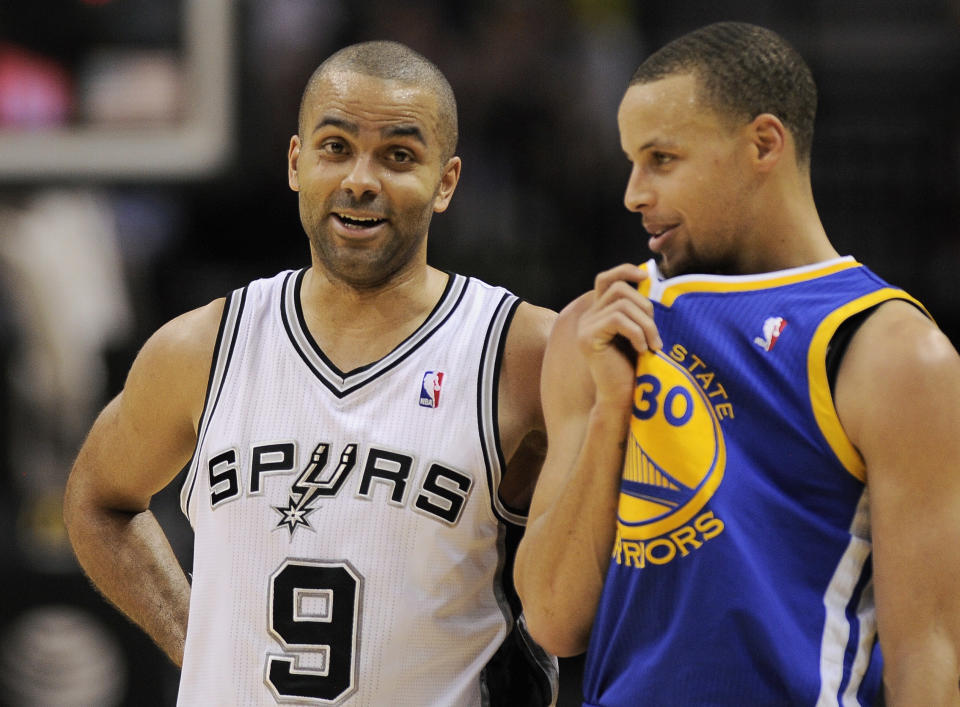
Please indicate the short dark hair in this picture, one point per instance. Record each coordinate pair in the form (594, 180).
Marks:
(742, 71)
(393, 61)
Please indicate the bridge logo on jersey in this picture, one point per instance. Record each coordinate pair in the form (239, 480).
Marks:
(675, 455)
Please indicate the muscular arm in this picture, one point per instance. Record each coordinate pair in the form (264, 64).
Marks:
(137, 445)
(898, 396)
(587, 387)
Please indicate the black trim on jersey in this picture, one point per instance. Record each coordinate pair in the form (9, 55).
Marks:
(497, 366)
(490, 388)
(187, 493)
(520, 672)
(515, 676)
(341, 384)
(844, 335)
(841, 340)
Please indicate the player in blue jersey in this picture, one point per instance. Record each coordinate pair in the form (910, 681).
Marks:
(751, 493)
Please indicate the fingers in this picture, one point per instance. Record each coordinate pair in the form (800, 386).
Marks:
(626, 316)
(618, 309)
(620, 273)
(624, 291)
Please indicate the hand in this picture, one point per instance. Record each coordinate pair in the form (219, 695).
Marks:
(616, 327)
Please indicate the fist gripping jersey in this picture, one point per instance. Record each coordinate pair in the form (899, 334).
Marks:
(741, 570)
(350, 544)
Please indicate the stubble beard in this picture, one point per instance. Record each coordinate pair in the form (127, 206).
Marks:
(693, 264)
(365, 267)
(703, 258)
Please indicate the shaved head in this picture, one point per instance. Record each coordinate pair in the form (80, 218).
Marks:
(392, 61)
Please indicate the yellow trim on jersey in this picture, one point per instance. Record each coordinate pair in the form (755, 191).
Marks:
(744, 283)
(821, 398)
(644, 287)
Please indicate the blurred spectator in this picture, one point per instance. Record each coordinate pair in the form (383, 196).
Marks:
(35, 91)
(59, 255)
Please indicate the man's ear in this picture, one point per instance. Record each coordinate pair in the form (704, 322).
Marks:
(293, 157)
(448, 183)
(770, 139)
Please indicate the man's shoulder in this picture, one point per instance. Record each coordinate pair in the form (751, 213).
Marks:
(565, 327)
(480, 284)
(191, 335)
(529, 320)
(535, 319)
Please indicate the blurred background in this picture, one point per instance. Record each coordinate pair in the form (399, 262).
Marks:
(142, 173)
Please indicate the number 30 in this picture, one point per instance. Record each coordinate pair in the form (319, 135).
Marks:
(649, 388)
(313, 609)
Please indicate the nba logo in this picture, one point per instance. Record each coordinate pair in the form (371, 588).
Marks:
(430, 389)
(772, 329)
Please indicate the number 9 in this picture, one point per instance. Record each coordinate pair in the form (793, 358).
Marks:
(313, 609)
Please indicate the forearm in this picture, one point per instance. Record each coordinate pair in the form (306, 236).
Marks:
(565, 553)
(128, 558)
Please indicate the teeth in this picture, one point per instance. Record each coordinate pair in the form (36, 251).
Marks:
(361, 219)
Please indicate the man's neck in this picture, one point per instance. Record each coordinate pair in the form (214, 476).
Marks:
(789, 235)
(357, 326)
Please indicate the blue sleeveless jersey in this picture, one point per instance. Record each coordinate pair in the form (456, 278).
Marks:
(741, 570)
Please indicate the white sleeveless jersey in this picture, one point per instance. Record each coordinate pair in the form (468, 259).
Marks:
(350, 544)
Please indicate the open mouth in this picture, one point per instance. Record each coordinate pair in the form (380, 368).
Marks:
(359, 221)
(659, 235)
(661, 230)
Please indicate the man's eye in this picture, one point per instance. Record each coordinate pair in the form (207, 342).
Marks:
(662, 158)
(401, 156)
(333, 147)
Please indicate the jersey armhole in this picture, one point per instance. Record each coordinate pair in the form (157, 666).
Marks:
(840, 341)
(827, 347)
(222, 353)
(491, 360)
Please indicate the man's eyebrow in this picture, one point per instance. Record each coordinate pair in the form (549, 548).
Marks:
(404, 131)
(330, 120)
(658, 142)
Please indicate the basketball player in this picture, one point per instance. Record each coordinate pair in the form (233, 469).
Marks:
(753, 458)
(359, 437)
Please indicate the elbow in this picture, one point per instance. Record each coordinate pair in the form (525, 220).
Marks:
(554, 637)
(77, 509)
(557, 630)
(74, 520)
(70, 506)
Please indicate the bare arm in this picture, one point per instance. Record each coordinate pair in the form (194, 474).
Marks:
(137, 445)
(522, 429)
(587, 388)
(898, 396)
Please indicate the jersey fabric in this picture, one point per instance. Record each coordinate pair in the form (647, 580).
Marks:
(350, 545)
(741, 570)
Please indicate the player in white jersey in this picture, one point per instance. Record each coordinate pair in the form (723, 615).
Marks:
(361, 438)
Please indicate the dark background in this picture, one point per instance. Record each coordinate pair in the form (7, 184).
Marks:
(538, 209)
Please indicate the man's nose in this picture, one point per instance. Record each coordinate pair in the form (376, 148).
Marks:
(362, 178)
(639, 193)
